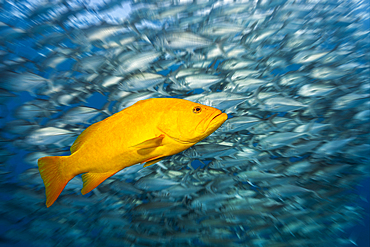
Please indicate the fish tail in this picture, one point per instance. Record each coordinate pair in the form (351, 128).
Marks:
(54, 177)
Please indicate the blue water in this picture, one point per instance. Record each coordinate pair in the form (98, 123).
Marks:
(15, 165)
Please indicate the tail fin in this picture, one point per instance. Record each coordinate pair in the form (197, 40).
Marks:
(51, 170)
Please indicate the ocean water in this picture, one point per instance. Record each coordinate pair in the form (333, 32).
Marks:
(61, 55)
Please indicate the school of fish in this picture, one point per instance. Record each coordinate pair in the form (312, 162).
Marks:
(282, 170)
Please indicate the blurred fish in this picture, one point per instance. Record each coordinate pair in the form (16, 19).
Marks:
(35, 109)
(314, 90)
(140, 82)
(331, 147)
(244, 85)
(204, 81)
(20, 127)
(293, 77)
(181, 40)
(139, 61)
(22, 82)
(278, 140)
(254, 176)
(309, 56)
(281, 104)
(154, 184)
(349, 101)
(49, 135)
(299, 149)
(210, 151)
(326, 73)
(80, 114)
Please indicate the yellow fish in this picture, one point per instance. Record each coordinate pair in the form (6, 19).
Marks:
(145, 132)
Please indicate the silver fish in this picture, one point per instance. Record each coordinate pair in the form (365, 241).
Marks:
(293, 76)
(182, 40)
(80, 114)
(48, 135)
(141, 81)
(349, 101)
(326, 73)
(22, 82)
(209, 151)
(204, 81)
(315, 90)
(279, 140)
(236, 124)
(154, 184)
(139, 62)
(331, 147)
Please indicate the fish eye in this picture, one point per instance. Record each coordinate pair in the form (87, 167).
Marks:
(197, 109)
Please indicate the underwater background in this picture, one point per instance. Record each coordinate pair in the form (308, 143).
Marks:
(290, 167)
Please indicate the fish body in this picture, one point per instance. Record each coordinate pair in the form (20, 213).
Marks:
(20, 126)
(281, 104)
(91, 64)
(315, 90)
(233, 64)
(21, 82)
(48, 135)
(136, 62)
(154, 184)
(300, 149)
(278, 124)
(326, 73)
(141, 81)
(239, 123)
(280, 140)
(203, 81)
(349, 101)
(245, 85)
(293, 79)
(299, 168)
(308, 56)
(332, 147)
(129, 137)
(177, 191)
(204, 151)
(255, 176)
(182, 40)
(108, 81)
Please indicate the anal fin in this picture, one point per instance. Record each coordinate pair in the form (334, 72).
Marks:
(92, 180)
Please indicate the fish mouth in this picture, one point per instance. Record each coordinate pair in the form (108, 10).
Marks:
(216, 116)
(215, 122)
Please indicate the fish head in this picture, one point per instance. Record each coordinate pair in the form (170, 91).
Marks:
(188, 122)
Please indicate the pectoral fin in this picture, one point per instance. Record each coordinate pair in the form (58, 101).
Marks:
(151, 143)
(152, 161)
(92, 180)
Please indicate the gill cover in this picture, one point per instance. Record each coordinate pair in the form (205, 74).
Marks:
(188, 121)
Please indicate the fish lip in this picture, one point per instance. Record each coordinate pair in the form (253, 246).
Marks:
(219, 113)
(216, 116)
